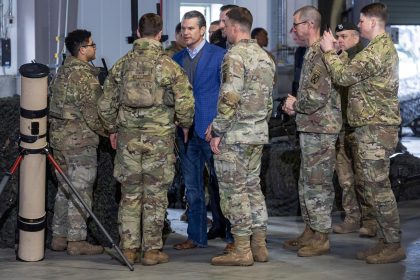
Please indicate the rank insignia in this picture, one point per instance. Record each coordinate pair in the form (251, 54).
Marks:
(315, 78)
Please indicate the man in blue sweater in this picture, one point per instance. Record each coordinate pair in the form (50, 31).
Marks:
(201, 61)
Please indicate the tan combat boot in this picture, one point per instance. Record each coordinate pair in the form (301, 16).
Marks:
(368, 230)
(297, 243)
(241, 256)
(58, 243)
(318, 245)
(347, 226)
(390, 253)
(130, 255)
(230, 247)
(75, 248)
(362, 255)
(153, 257)
(258, 245)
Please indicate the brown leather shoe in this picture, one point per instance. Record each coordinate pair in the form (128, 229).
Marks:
(187, 244)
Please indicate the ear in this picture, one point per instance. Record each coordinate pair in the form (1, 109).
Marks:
(202, 31)
(373, 22)
(138, 34)
(159, 36)
(82, 51)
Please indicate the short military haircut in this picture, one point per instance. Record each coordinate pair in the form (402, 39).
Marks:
(309, 14)
(178, 28)
(378, 10)
(216, 22)
(241, 16)
(196, 14)
(257, 31)
(228, 7)
(76, 39)
(150, 25)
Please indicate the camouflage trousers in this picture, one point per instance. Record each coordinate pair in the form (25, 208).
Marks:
(356, 206)
(375, 144)
(316, 190)
(69, 214)
(241, 199)
(144, 165)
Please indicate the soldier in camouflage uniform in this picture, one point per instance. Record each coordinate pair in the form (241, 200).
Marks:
(239, 132)
(74, 124)
(374, 113)
(318, 119)
(177, 45)
(144, 91)
(348, 39)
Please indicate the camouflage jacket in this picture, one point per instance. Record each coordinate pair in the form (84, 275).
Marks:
(74, 120)
(169, 88)
(318, 105)
(373, 79)
(346, 56)
(173, 49)
(245, 101)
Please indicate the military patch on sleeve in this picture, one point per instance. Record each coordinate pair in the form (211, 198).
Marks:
(315, 77)
(225, 71)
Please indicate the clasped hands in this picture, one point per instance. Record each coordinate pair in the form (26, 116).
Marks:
(288, 105)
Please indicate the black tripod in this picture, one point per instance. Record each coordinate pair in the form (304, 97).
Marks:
(45, 151)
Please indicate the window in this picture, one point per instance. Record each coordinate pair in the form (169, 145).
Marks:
(407, 39)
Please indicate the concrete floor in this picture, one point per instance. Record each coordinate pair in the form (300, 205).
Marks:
(194, 264)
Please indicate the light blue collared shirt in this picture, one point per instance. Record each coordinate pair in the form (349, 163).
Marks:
(195, 51)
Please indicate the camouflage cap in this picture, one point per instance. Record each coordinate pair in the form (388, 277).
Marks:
(346, 26)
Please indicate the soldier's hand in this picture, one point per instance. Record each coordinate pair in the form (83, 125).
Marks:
(208, 133)
(327, 41)
(185, 131)
(214, 145)
(289, 112)
(288, 105)
(113, 140)
(290, 101)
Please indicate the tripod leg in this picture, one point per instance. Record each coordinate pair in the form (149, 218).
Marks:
(58, 168)
(6, 177)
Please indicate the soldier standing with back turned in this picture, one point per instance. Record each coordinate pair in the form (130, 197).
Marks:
(144, 91)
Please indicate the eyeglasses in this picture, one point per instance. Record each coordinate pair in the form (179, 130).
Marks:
(93, 45)
(296, 24)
